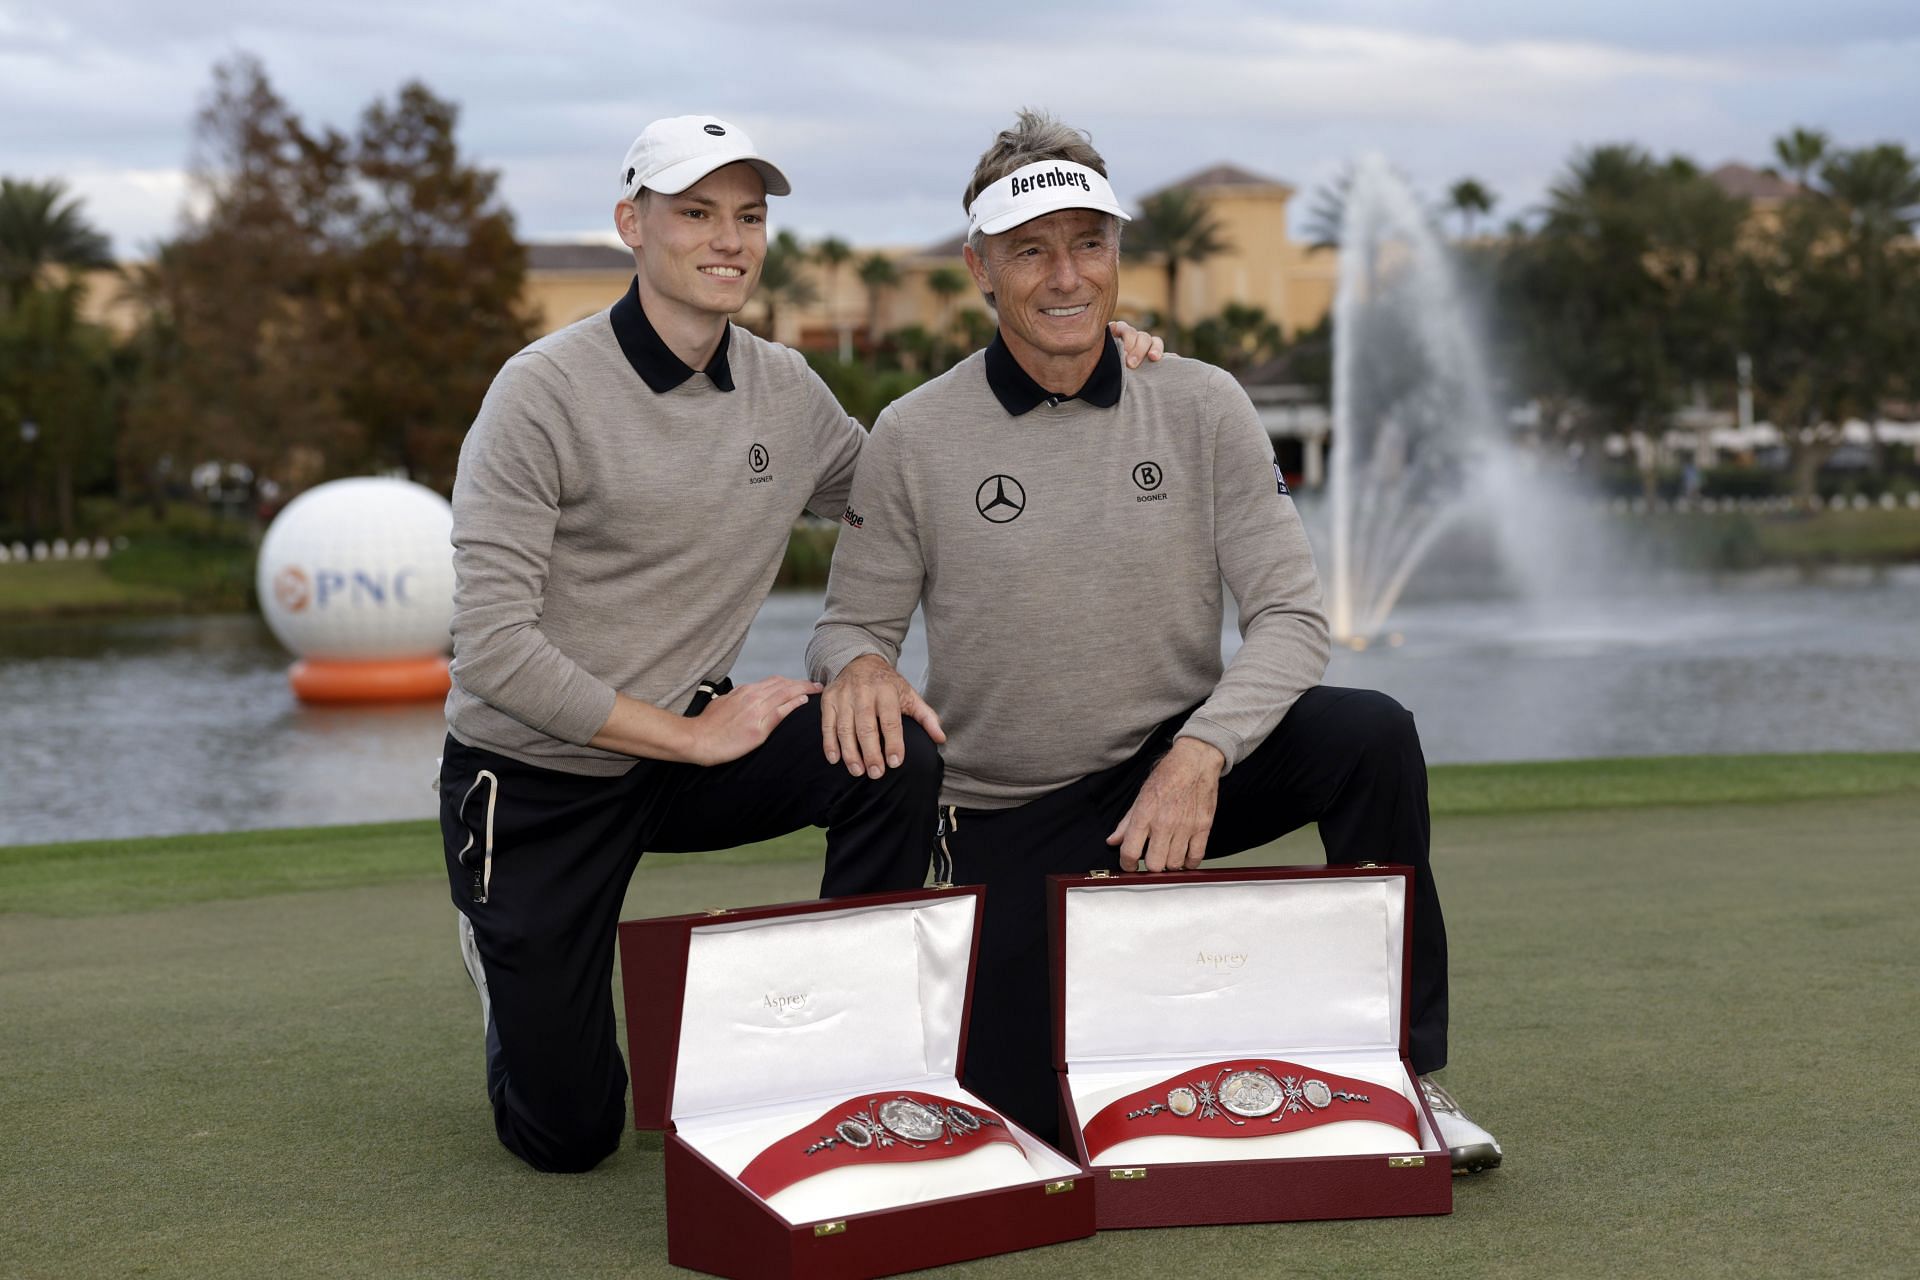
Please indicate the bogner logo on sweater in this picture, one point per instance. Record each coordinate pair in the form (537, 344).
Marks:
(758, 460)
(1149, 477)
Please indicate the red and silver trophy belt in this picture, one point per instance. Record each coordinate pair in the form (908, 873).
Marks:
(901, 1127)
(1246, 1099)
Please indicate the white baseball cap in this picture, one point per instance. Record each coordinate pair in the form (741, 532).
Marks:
(671, 155)
(1035, 190)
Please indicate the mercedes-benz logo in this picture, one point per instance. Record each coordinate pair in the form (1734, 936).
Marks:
(1000, 498)
(1148, 476)
(757, 459)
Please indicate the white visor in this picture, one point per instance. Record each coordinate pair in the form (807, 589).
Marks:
(1037, 190)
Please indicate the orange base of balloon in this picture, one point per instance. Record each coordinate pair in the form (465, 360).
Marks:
(325, 680)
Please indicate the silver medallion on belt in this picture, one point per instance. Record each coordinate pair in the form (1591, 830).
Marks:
(905, 1121)
(1248, 1094)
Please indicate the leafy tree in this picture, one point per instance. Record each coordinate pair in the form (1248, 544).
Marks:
(878, 274)
(1801, 151)
(1469, 198)
(340, 305)
(977, 328)
(1238, 338)
(431, 280)
(41, 228)
(947, 283)
(1628, 294)
(1177, 225)
(58, 385)
(832, 253)
(1832, 301)
(783, 278)
(1329, 211)
(58, 390)
(248, 346)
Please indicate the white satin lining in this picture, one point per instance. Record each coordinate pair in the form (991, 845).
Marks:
(1093, 1087)
(732, 1140)
(822, 1004)
(1211, 971)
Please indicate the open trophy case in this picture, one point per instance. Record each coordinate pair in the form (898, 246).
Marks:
(804, 1062)
(1232, 1046)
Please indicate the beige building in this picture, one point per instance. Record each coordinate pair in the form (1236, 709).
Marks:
(1263, 267)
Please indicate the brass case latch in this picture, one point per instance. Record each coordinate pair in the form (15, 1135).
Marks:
(1055, 1188)
(1126, 1175)
(1406, 1162)
(830, 1229)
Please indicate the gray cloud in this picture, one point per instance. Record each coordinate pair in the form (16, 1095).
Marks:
(878, 111)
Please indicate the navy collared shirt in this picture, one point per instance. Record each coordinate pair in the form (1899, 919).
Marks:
(1018, 393)
(649, 353)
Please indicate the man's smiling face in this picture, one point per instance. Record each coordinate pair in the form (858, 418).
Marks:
(1054, 282)
(702, 249)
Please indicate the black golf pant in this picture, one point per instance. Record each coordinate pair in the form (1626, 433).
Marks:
(562, 849)
(1348, 759)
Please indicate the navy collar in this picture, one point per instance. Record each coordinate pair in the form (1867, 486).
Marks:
(1018, 393)
(649, 353)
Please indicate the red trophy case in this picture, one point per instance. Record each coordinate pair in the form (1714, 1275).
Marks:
(1232, 1046)
(804, 1062)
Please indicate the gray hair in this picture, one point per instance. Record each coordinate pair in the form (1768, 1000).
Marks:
(1035, 136)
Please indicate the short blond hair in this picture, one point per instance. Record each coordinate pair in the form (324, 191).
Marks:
(1034, 137)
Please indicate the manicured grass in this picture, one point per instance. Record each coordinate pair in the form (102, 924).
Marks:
(1668, 780)
(1690, 1026)
(1837, 537)
(157, 575)
(135, 875)
(53, 588)
(1733, 540)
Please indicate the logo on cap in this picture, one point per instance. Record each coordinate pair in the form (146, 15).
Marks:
(716, 130)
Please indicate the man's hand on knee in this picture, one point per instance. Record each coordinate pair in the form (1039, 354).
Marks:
(863, 715)
(735, 723)
(1167, 827)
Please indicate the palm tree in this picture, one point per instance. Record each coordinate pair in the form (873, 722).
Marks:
(1801, 152)
(1329, 211)
(1177, 224)
(1468, 197)
(947, 283)
(40, 228)
(783, 278)
(878, 274)
(1876, 191)
(832, 253)
(1879, 188)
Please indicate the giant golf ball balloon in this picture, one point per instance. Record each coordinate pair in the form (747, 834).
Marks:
(360, 570)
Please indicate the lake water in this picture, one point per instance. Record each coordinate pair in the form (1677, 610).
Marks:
(186, 724)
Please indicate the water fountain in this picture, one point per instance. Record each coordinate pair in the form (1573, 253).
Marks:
(1417, 436)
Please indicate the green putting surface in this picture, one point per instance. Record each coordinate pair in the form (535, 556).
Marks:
(1693, 1028)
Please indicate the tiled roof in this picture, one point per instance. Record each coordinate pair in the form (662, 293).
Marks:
(578, 257)
(1223, 175)
(1753, 184)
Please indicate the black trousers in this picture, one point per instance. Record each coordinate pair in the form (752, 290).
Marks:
(1348, 759)
(563, 848)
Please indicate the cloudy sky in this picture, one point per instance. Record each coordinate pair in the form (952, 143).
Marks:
(877, 111)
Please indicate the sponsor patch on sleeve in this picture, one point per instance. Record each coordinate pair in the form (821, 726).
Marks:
(858, 521)
(1279, 478)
